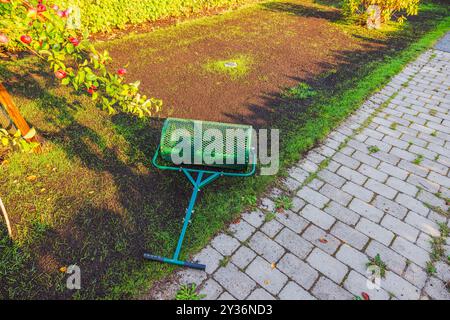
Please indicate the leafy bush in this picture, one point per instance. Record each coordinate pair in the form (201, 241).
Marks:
(43, 29)
(389, 8)
(16, 141)
(102, 15)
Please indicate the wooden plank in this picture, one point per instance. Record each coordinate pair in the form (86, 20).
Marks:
(14, 113)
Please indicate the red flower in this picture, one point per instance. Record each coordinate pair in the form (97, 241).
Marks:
(41, 8)
(3, 39)
(92, 89)
(26, 39)
(121, 71)
(60, 74)
(74, 41)
(61, 13)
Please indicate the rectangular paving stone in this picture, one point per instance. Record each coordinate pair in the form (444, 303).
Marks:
(242, 257)
(268, 278)
(400, 228)
(402, 289)
(241, 230)
(293, 291)
(374, 231)
(318, 217)
(439, 179)
(424, 241)
(271, 228)
(356, 284)
(442, 271)
(412, 252)
(349, 235)
(266, 247)
(424, 183)
(365, 158)
(378, 143)
(294, 243)
(292, 221)
(236, 282)
(331, 178)
(366, 210)
(211, 289)
(393, 170)
(352, 175)
(297, 270)
(326, 289)
(313, 197)
(346, 160)
(413, 168)
(436, 289)
(393, 260)
(415, 275)
(402, 186)
(423, 224)
(412, 204)
(390, 207)
(225, 244)
(358, 191)
(336, 194)
(298, 174)
(341, 213)
(308, 165)
(380, 188)
(255, 218)
(373, 173)
(396, 142)
(290, 184)
(327, 265)
(322, 239)
(297, 204)
(210, 257)
(353, 258)
(386, 157)
(435, 166)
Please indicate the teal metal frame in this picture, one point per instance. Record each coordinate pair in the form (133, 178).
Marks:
(203, 178)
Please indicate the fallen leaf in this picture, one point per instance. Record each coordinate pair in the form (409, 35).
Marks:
(91, 192)
(238, 220)
(323, 240)
(266, 282)
(273, 265)
(365, 296)
(43, 190)
(31, 178)
(63, 269)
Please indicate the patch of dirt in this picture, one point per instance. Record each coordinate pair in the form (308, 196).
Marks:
(289, 42)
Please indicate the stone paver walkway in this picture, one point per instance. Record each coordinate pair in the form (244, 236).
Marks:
(384, 191)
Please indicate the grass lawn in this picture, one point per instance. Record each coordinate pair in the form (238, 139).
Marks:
(93, 199)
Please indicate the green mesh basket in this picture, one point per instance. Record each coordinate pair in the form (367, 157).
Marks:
(232, 151)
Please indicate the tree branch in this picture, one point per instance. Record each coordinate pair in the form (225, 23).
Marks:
(5, 215)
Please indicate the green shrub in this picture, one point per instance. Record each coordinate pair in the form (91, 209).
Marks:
(389, 8)
(103, 15)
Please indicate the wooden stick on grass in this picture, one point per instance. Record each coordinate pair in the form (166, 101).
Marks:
(5, 215)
